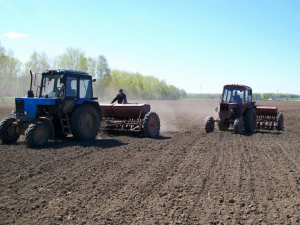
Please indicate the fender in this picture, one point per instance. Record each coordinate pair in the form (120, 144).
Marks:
(93, 103)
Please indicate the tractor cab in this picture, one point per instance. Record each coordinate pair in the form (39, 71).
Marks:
(66, 84)
(235, 99)
(68, 87)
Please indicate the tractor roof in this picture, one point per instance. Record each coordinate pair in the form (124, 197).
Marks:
(63, 71)
(237, 85)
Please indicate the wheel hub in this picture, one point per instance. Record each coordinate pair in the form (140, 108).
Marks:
(86, 123)
(40, 135)
(153, 125)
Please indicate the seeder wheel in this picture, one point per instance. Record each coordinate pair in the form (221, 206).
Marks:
(280, 121)
(151, 125)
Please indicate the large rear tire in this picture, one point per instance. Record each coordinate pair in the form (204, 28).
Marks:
(85, 122)
(250, 120)
(223, 126)
(37, 134)
(238, 125)
(280, 121)
(8, 133)
(209, 124)
(151, 125)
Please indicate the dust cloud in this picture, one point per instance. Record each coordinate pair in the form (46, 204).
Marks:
(183, 115)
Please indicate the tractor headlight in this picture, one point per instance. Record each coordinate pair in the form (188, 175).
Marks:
(231, 110)
(25, 113)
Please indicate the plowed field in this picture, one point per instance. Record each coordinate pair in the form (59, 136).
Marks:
(184, 177)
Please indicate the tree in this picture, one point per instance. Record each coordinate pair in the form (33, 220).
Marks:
(102, 74)
(73, 59)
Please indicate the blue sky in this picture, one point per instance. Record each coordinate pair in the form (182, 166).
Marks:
(187, 43)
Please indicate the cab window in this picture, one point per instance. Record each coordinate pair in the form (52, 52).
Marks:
(71, 87)
(85, 88)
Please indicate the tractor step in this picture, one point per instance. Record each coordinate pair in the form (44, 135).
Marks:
(64, 120)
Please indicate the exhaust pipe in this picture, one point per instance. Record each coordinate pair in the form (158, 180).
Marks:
(30, 92)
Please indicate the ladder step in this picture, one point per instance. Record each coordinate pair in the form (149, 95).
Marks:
(66, 126)
(64, 119)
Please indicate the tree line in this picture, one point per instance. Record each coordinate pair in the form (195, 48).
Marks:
(255, 96)
(15, 75)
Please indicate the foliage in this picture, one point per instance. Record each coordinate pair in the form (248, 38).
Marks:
(16, 81)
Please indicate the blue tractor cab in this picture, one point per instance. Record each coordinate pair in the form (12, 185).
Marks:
(64, 105)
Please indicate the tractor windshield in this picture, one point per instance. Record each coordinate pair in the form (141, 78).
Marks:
(233, 95)
(51, 86)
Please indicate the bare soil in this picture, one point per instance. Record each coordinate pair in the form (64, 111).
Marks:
(184, 177)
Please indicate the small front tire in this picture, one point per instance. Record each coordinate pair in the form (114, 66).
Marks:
(37, 134)
(238, 125)
(209, 125)
(8, 133)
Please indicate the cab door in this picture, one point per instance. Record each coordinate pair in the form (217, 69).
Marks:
(71, 94)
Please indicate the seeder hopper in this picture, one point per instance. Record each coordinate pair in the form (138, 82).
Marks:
(131, 118)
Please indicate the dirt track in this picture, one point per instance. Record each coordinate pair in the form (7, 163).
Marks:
(184, 177)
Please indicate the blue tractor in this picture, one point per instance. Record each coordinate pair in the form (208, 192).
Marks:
(64, 105)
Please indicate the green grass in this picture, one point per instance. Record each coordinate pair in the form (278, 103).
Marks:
(293, 99)
(7, 100)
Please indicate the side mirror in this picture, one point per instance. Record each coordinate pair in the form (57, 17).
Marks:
(94, 80)
(216, 109)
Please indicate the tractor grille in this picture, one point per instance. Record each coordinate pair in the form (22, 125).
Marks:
(19, 107)
(224, 107)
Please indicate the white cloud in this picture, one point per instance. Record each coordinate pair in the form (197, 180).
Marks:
(14, 35)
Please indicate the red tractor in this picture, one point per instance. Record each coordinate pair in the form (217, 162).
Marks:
(238, 109)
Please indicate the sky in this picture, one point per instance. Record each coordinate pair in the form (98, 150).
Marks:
(195, 45)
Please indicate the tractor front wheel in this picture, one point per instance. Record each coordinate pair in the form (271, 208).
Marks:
(8, 133)
(37, 134)
(151, 125)
(280, 121)
(85, 122)
(250, 120)
(209, 124)
(238, 125)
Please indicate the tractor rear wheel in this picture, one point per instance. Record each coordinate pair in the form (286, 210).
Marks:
(238, 125)
(223, 126)
(280, 121)
(209, 124)
(250, 120)
(85, 122)
(8, 133)
(37, 134)
(151, 125)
